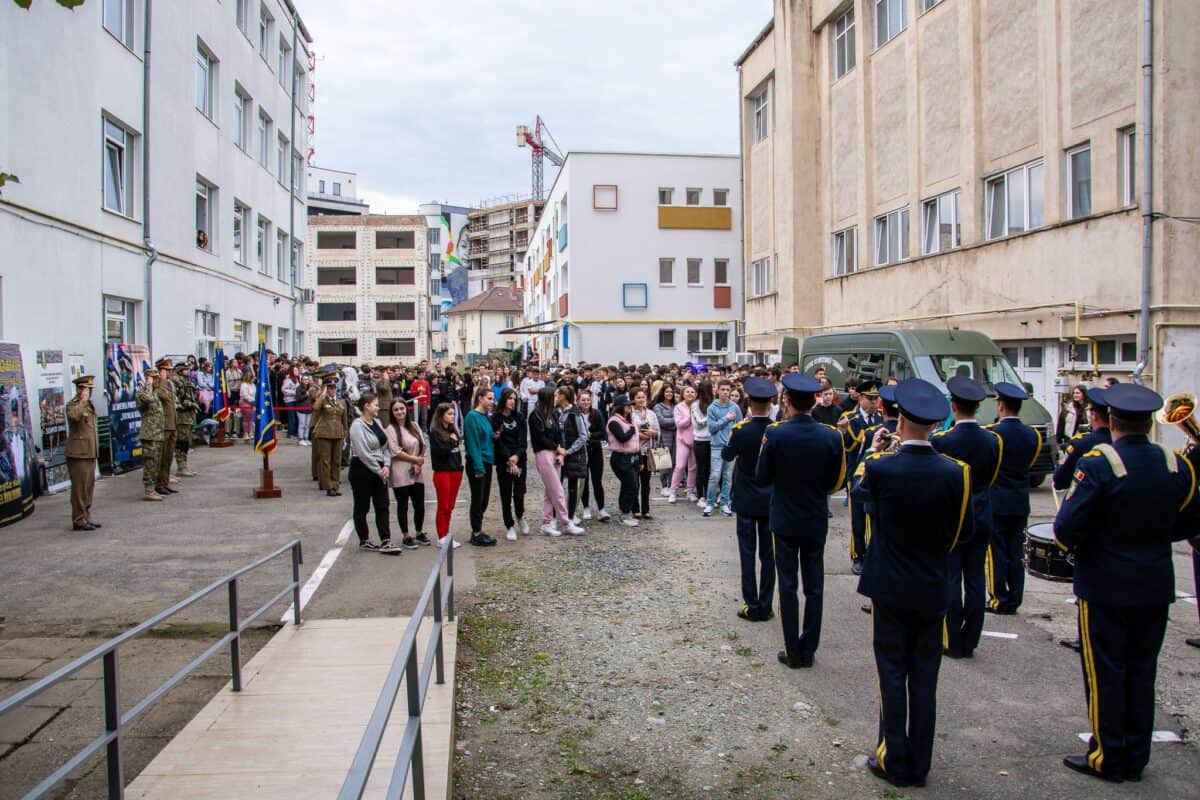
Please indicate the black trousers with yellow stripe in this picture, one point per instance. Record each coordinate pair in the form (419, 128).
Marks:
(966, 598)
(1006, 562)
(1120, 658)
(858, 530)
(908, 654)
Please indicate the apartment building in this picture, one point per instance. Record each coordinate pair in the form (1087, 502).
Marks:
(637, 258)
(334, 191)
(371, 278)
(498, 237)
(978, 165)
(174, 230)
(484, 323)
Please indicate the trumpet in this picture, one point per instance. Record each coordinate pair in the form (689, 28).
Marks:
(1180, 409)
(891, 442)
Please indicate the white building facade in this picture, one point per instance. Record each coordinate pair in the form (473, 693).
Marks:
(218, 162)
(637, 258)
(334, 191)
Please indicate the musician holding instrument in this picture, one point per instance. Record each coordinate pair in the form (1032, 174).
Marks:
(854, 425)
(1124, 577)
(981, 448)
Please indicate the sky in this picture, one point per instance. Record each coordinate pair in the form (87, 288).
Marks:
(422, 100)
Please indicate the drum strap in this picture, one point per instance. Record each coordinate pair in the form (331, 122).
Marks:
(1118, 466)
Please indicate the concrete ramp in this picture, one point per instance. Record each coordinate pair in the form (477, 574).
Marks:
(293, 729)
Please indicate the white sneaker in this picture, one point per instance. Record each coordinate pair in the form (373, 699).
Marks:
(726, 510)
(574, 529)
(511, 534)
(629, 521)
(455, 543)
(523, 526)
(671, 498)
(551, 530)
(664, 492)
(575, 520)
(701, 502)
(692, 497)
(707, 510)
(603, 515)
(587, 513)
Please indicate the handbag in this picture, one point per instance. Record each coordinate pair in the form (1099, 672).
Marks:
(660, 459)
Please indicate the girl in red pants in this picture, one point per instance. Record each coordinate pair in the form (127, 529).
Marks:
(445, 451)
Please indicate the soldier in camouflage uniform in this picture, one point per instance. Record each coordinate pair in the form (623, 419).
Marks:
(151, 435)
(165, 390)
(187, 404)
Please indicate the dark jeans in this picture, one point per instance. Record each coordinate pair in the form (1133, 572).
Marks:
(293, 421)
(596, 470)
(967, 597)
(645, 478)
(512, 493)
(625, 467)
(573, 485)
(803, 559)
(368, 488)
(416, 493)
(481, 488)
(754, 536)
(703, 465)
(1006, 562)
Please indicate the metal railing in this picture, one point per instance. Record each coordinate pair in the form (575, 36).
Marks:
(404, 668)
(114, 721)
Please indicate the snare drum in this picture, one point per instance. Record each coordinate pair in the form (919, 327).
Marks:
(1044, 558)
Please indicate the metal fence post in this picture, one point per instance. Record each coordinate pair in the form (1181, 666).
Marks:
(112, 725)
(296, 584)
(235, 644)
(437, 618)
(412, 676)
(450, 574)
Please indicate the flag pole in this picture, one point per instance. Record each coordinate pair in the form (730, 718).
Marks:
(266, 486)
(220, 390)
(264, 424)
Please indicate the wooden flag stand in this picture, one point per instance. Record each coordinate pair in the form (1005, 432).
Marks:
(267, 487)
(219, 440)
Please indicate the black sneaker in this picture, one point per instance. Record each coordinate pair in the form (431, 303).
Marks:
(482, 540)
(856, 566)
(423, 539)
(389, 548)
(367, 544)
(409, 543)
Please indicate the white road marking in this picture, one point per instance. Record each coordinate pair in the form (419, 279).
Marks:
(1157, 736)
(1000, 635)
(344, 535)
(314, 580)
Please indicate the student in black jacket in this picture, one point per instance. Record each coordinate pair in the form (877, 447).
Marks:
(510, 441)
(445, 456)
(595, 456)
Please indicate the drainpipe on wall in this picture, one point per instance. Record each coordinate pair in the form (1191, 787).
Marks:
(1144, 343)
(151, 252)
(740, 346)
(292, 189)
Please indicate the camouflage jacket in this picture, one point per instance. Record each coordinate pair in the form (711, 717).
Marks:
(152, 413)
(187, 401)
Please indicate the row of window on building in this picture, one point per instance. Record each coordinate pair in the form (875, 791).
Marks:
(384, 240)
(121, 315)
(385, 347)
(699, 340)
(695, 272)
(402, 311)
(692, 196)
(891, 19)
(382, 276)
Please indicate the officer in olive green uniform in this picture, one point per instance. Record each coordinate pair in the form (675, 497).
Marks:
(314, 391)
(166, 395)
(329, 431)
(151, 434)
(187, 404)
(383, 390)
(81, 453)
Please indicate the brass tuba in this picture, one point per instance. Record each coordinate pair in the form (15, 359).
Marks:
(1180, 409)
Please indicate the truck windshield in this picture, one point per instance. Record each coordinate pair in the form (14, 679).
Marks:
(987, 369)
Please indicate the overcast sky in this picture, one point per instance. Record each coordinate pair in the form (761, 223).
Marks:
(422, 99)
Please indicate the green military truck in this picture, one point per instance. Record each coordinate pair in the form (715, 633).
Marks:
(935, 355)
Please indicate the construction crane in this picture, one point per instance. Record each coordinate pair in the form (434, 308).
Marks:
(539, 150)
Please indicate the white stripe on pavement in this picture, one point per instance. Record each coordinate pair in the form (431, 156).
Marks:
(310, 586)
(1157, 736)
(1000, 635)
(344, 535)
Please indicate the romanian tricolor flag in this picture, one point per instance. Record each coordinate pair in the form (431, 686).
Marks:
(220, 401)
(264, 409)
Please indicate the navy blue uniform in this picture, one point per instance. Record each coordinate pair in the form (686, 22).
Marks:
(1080, 444)
(752, 503)
(981, 449)
(857, 440)
(921, 503)
(804, 462)
(1010, 512)
(1121, 529)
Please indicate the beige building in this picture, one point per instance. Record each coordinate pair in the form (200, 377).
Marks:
(371, 279)
(498, 237)
(475, 324)
(975, 164)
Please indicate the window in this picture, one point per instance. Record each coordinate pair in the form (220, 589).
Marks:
(283, 62)
(693, 271)
(707, 341)
(264, 139)
(435, 313)
(295, 272)
(1127, 166)
(693, 197)
(264, 32)
(298, 173)
(928, 4)
(435, 263)
(118, 20)
(207, 327)
(395, 347)
(891, 237)
(262, 255)
(337, 189)
(761, 277)
(635, 295)
(843, 44)
(337, 312)
(336, 240)
(664, 196)
(666, 271)
(434, 235)
(392, 240)
(118, 183)
(241, 335)
(281, 158)
(889, 20)
(1112, 352)
(721, 271)
(1015, 201)
(510, 320)
(204, 205)
(118, 320)
(940, 223)
(337, 347)
(760, 116)
(243, 16)
(205, 66)
(241, 118)
(1079, 182)
(396, 276)
(299, 342)
(1129, 353)
(666, 338)
(336, 276)
(281, 256)
(720, 197)
(845, 251)
(241, 223)
(395, 311)
(435, 285)
(282, 340)
(321, 187)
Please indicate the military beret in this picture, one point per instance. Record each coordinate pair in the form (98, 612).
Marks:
(966, 389)
(921, 401)
(760, 389)
(799, 382)
(1010, 391)
(1132, 402)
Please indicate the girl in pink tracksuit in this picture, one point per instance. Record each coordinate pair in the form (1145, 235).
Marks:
(685, 443)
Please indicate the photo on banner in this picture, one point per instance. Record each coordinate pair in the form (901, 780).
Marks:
(17, 448)
(52, 411)
(123, 367)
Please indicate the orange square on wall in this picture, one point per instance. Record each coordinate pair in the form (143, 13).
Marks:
(722, 297)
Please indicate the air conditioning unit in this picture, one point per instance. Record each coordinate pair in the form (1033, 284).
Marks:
(308, 296)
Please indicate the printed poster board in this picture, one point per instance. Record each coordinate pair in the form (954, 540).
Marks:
(123, 367)
(51, 397)
(17, 448)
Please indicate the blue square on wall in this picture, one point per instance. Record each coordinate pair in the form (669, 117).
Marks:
(635, 295)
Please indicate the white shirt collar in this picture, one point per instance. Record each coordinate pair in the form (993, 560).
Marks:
(966, 422)
(918, 442)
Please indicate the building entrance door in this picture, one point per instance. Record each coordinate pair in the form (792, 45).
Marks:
(1028, 359)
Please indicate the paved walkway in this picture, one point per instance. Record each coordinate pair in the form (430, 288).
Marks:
(293, 729)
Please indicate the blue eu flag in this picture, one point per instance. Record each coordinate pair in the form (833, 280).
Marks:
(220, 401)
(264, 411)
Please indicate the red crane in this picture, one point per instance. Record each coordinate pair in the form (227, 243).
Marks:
(539, 151)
